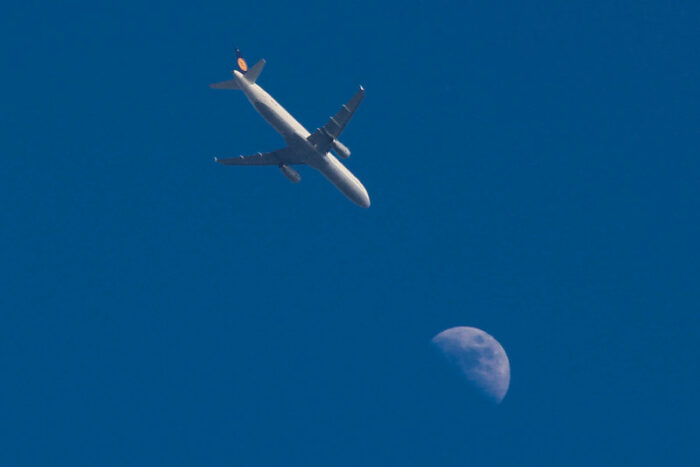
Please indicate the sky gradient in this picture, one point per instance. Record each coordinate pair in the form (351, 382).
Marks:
(533, 170)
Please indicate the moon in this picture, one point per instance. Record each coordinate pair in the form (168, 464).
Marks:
(480, 358)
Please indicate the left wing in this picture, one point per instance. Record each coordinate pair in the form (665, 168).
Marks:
(262, 158)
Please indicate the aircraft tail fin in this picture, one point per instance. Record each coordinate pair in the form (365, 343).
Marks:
(251, 74)
(254, 71)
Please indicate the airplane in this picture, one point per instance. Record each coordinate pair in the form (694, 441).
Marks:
(303, 147)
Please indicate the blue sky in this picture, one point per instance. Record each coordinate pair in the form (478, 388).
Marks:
(533, 172)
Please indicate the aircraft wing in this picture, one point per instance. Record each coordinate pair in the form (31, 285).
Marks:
(324, 136)
(278, 157)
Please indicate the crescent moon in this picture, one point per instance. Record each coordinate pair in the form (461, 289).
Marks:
(480, 358)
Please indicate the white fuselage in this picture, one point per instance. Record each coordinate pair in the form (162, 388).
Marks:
(296, 137)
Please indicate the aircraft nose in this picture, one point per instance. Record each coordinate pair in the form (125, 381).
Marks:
(365, 202)
(363, 199)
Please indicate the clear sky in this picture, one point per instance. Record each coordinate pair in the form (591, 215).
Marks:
(533, 169)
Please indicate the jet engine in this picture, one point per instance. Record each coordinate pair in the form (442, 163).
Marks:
(290, 173)
(340, 149)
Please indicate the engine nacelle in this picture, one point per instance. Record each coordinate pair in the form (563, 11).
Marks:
(290, 173)
(340, 149)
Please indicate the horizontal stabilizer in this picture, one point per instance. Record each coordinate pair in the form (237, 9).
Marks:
(230, 84)
(253, 72)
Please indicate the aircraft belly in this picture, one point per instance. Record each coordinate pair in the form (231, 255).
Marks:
(277, 121)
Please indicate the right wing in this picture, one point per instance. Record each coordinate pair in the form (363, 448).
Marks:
(324, 136)
(267, 158)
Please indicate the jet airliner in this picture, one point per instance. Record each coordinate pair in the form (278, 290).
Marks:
(303, 147)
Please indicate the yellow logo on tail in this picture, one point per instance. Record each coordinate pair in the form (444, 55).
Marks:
(241, 62)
